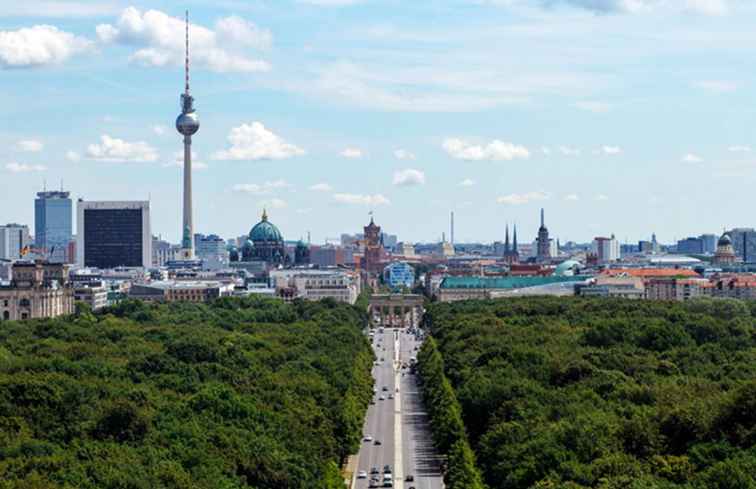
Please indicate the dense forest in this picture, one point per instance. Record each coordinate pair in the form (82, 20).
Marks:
(241, 393)
(577, 393)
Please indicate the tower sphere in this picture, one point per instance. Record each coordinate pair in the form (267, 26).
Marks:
(187, 123)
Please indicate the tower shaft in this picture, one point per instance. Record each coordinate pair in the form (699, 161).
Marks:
(187, 242)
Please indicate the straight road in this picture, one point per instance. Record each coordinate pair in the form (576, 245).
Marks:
(401, 423)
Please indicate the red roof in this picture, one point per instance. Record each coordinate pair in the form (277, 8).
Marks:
(651, 272)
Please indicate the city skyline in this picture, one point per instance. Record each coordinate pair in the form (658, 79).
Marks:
(657, 145)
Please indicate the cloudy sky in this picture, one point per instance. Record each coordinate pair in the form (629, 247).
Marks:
(617, 116)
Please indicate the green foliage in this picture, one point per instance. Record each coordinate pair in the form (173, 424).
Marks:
(579, 393)
(240, 393)
(446, 420)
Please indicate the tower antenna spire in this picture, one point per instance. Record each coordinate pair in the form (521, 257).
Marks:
(186, 61)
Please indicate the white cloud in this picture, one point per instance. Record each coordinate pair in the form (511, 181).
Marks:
(331, 3)
(692, 158)
(717, 86)
(159, 40)
(572, 197)
(360, 199)
(403, 154)
(546, 151)
(593, 106)
(273, 204)
(57, 9)
(30, 146)
(321, 187)
(409, 177)
(495, 150)
(304, 210)
(255, 142)
(351, 153)
(73, 156)
(40, 45)
(708, 7)
(24, 168)
(266, 188)
(519, 199)
(705, 7)
(602, 197)
(611, 150)
(467, 182)
(739, 149)
(569, 151)
(119, 151)
(178, 161)
(242, 32)
(159, 129)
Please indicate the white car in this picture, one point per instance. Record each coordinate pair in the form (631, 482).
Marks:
(362, 474)
(368, 438)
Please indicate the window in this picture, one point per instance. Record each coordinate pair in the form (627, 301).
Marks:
(24, 303)
(6, 314)
(5, 303)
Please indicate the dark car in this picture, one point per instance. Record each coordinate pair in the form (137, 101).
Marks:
(386, 469)
(375, 470)
(378, 442)
(410, 478)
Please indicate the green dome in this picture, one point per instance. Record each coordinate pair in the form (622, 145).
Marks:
(265, 231)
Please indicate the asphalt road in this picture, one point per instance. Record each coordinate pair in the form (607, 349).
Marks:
(401, 424)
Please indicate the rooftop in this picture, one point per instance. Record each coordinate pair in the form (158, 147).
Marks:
(506, 282)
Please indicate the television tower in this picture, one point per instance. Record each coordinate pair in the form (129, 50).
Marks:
(187, 124)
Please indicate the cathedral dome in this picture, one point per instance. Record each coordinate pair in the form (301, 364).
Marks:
(265, 231)
(724, 240)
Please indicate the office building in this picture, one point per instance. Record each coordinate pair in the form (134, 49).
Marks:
(53, 225)
(606, 249)
(37, 290)
(690, 246)
(744, 243)
(339, 285)
(399, 275)
(709, 243)
(113, 234)
(327, 256)
(212, 251)
(13, 239)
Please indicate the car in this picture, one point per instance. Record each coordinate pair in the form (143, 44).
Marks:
(368, 438)
(388, 483)
(375, 470)
(391, 396)
(385, 389)
(375, 482)
(378, 442)
(382, 398)
(362, 474)
(386, 469)
(372, 402)
(410, 478)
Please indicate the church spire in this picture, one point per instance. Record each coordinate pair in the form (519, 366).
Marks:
(506, 241)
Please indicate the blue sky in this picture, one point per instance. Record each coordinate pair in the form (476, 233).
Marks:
(617, 116)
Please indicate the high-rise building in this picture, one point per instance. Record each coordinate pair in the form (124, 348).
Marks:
(744, 243)
(399, 274)
(187, 124)
(212, 251)
(692, 246)
(53, 215)
(606, 249)
(13, 239)
(709, 243)
(113, 234)
(544, 244)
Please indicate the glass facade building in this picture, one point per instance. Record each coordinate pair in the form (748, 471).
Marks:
(114, 234)
(398, 275)
(53, 225)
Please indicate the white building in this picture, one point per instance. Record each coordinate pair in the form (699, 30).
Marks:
(212, 251)
(340, 285)
(113, 234)
(13, 239)
(606, 249)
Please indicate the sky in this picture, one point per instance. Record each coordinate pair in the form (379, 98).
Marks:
(616, 116)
